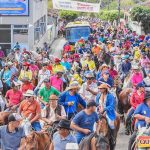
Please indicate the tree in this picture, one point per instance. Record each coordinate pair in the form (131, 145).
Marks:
(142, 14)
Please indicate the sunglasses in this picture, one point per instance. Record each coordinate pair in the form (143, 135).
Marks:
(6, 66)
(89, 78)
(28, 96)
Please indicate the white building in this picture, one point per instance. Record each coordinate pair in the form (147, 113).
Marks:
(29, 29)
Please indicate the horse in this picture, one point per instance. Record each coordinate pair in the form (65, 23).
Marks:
(100, 140)
(124, 99)
(35, 141)
(127, 81)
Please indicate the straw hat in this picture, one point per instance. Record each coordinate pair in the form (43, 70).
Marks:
(29, 93)
(73, 85)
(103, 86)
(135, 67)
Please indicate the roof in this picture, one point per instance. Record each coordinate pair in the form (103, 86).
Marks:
(77, 24)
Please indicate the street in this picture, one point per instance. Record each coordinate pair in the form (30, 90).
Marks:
(122, 140)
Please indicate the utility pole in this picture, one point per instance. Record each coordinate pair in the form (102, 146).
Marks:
(119, 12)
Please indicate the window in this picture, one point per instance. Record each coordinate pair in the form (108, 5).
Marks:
(5, 35)
(20, 35)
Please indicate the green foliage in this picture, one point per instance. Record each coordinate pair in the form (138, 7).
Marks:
(109, 15)
(142, 14)
(68, 15)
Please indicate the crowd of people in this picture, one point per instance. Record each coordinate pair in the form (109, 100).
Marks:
(78, 89)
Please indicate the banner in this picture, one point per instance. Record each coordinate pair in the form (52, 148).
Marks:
(14, 7)
(76, 6)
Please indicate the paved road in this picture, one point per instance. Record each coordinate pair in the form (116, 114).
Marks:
(122, 140)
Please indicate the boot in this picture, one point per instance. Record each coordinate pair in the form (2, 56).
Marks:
(113, 135)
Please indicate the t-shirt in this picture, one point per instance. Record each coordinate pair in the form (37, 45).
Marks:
(88, 95)
(26, 87)
(32, 108)
(143, 110)
(46, 93)
(56, 82)
(10, 141)
(14, 97)
(60, 143)
(85, 121)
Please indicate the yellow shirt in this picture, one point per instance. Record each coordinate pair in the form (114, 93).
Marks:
(137, 55)
(25, 74)
(91, 64)
(57, 68)
(77, 78)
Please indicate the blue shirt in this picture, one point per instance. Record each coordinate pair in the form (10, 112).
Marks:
(66, 65)
(143, 110)
(60, 144)
(10, 141)
(85, 121)
(65, 97)
(6, 76)
(109, 105)
(125, 67)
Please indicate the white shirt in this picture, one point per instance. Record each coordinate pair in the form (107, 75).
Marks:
(86, 94)
(52, 115)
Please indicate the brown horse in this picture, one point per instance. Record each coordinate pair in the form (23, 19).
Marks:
(124, 100)
(101, 139)
(35, 141)
(4, 117)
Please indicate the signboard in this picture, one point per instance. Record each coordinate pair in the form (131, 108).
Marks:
(76, 6)
(144, 141)
(14, 7)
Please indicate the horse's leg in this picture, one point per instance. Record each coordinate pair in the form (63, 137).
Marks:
(93, 143)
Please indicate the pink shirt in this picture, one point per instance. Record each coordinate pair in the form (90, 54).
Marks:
(1, 54)
(56, 82)
(136, 78)
(145, 62)
(33, 68)
(14, 98)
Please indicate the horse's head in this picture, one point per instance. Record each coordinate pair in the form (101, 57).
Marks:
(102, 127)
(26, 125)
(29, 142)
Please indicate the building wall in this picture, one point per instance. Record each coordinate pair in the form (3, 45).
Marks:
(37, 9)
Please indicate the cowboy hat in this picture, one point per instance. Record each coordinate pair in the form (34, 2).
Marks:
(57, 60)
(59, 71)
(89, 75)
(103, 86)
(64, 124)
(73, 85)
(17, 83)
(135, 67)
(104, 65)
(10, 63)
(29, 93)
(26, 64)
(25, 79)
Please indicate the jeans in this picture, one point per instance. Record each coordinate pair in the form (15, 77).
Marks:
(36, 126)
(131, 112)
(70, 116)
(131, 141)
(79, 137)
